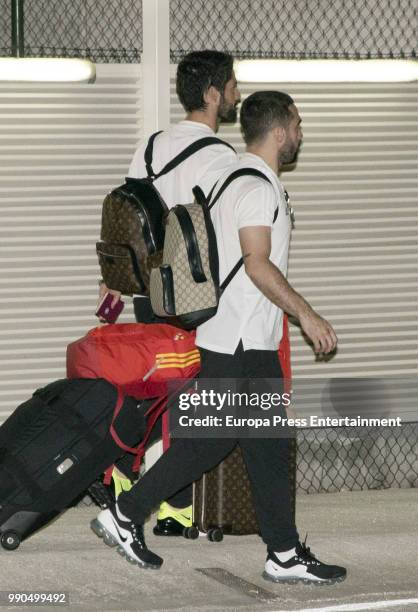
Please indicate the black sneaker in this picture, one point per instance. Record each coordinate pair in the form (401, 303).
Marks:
(116, 530)
(303, 567)
(102, 494)
(173, 521)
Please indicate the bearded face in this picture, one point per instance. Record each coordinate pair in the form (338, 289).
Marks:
(291, 147)
(230, 98)
(290, 152)
(227, 111)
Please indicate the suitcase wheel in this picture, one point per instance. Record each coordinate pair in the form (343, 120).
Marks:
(215, 535)
(191, 533)
(10, 540)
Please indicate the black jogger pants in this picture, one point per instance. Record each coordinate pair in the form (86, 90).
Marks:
(267, 460)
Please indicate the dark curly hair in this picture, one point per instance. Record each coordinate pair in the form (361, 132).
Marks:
(199, 70)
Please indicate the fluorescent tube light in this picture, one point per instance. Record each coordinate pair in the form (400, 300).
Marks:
(47, 69)
(326, 71)
(42, 69)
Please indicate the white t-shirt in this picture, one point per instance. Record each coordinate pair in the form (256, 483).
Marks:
(244, 313)
(203, 168)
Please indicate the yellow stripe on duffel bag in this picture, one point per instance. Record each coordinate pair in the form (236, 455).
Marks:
(193, 352)
(178, 364)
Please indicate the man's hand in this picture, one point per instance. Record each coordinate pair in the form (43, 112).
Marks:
(319, 331)
(103, 289)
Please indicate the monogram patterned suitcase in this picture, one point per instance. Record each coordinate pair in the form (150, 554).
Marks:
(222, 502)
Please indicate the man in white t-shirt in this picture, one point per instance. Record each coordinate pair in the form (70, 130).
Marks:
(207, 89)
(252, 220)
(245, 314)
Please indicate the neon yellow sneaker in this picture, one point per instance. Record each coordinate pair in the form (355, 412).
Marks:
(175, 522)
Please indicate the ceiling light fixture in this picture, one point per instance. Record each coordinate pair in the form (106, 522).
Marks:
(42, 69)
(326, 71)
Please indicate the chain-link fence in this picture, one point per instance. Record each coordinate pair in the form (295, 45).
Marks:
(354, 459)
(335, 459)
(109, 32)
(298, 29)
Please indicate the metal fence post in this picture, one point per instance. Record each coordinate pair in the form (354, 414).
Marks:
(155, 65)
(155, 94)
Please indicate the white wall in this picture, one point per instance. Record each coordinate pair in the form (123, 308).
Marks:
(62, 147)
(354, 249)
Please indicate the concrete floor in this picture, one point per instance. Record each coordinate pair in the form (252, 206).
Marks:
(373, 533)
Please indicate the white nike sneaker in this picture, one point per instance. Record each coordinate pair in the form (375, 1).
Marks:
(302, 567)
(117, 530)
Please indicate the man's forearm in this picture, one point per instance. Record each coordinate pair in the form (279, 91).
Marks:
(271, 282)
(256, 248)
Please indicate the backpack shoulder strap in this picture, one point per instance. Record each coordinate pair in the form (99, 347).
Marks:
(230, 276)
(189, 151)
(148, 154)
(234, 175)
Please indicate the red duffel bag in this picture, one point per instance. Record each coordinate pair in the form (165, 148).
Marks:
(285, 364)
(284, 355)
(139, 358)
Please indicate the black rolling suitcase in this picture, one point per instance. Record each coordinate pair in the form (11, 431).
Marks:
(55, 445)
